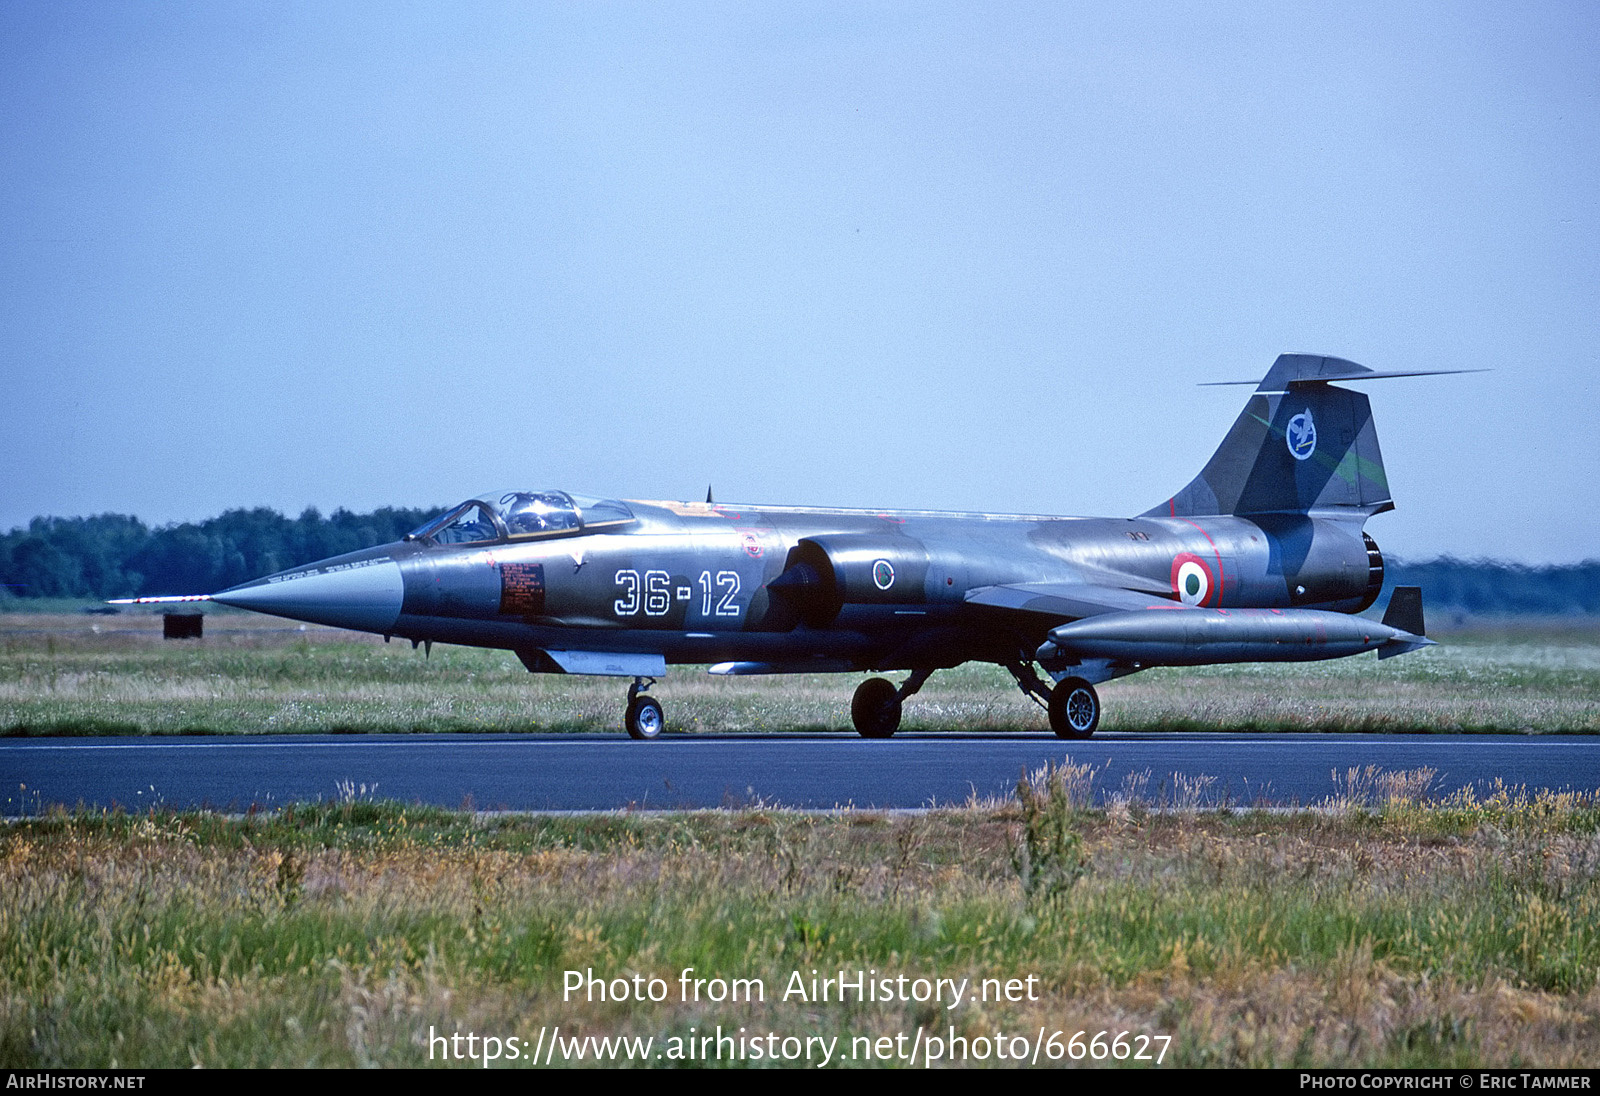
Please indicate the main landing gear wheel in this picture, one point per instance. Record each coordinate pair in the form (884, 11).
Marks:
(875, 709)
(1074, 708)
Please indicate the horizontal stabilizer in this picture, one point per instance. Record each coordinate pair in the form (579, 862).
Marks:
(1357, 374)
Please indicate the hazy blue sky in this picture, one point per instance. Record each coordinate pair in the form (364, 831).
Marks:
(959, 257)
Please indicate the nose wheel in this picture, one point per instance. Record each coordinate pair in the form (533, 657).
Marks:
(644, 717)
(875, 708)
(1074, 708)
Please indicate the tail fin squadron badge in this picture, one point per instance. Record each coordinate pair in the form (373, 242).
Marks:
(1301, 435)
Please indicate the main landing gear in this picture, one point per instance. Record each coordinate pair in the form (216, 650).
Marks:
(644, 717)
(1073, 704)
(1074, 708)
(875, 709)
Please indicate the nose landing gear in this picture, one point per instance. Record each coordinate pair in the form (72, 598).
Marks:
(875, 708)
(644, 717)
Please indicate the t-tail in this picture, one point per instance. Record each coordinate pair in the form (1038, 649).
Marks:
(1302, 445)
(1302, 462)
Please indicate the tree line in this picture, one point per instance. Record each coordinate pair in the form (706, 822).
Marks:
(116, 555)
(1486, 586)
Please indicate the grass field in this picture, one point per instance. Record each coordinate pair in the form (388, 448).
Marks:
(67, 673)
(1384, 932)
(1382, 929)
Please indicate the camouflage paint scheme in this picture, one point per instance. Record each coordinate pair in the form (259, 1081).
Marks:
(1262, 557)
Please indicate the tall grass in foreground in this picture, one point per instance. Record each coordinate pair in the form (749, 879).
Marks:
(1386, 929)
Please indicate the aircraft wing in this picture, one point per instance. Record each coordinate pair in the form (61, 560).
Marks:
(1065, 600)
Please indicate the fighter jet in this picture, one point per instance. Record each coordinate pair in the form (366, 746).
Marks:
(1261, 558)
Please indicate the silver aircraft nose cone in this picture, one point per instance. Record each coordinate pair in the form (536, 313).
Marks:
(365, 595)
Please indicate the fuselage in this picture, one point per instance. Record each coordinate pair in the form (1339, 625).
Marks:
(793, 588)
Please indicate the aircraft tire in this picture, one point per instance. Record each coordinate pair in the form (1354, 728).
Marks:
(1074, 708)
(875, 708)
(644, 718)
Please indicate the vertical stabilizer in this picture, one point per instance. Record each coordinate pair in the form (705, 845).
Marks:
(1301, 445)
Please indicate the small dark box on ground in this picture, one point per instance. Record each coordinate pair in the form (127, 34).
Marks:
(182, 625)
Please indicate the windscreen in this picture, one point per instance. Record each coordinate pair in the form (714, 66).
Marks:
(469, 525)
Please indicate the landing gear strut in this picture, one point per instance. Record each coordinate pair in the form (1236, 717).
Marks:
(1073, 704)
(875, 709)
(1031, 684)
(1074, 708)
(644, 717)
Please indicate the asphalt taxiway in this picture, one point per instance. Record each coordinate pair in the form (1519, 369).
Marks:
(811, 771)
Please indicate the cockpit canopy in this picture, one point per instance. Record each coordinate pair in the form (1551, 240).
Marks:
(502, 515)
